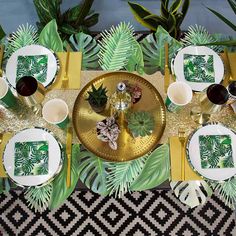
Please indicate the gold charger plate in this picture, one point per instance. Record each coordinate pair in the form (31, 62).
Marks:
(85, 119)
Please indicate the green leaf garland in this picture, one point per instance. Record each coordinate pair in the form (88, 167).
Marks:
(50, 38)
(155, 171)
(154, 52)
(60, 192)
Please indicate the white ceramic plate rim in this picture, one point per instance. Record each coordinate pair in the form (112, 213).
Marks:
(31, 50)
(198, 50)
(54, 156)
(219, 174)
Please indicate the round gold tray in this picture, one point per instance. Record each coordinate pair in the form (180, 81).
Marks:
(85, 119)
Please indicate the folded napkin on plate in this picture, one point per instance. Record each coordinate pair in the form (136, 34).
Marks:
(74, 70)
(5, 139)
(175, 159)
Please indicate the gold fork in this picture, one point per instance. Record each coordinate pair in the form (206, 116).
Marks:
(182, 138)
(65, 79)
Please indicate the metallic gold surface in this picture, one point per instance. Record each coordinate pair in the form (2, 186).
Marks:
(85, 119)
(14, 121)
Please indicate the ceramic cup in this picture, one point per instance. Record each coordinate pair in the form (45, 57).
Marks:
(179, 94)
(56, 112)
(7, 99)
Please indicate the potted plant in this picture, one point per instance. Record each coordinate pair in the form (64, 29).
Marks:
(97, 98)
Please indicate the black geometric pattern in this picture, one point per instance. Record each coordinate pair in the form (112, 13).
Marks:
(156, 212)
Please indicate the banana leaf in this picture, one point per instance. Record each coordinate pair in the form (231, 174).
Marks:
(50, 38)
(88, 46)
(60, 192)
(232, 3)
(155, 171)
(154, 52)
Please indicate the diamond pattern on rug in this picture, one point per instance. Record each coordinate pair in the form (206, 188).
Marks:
(156, 212)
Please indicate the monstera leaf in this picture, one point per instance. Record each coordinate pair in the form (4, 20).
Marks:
(89, 48)
(155, 171)
(191, 193)
(121, 175)
(93, 172)
(116, 47)
(38, 198)
(50, 38)
(227, 191)
(60, 192)
(154, 52)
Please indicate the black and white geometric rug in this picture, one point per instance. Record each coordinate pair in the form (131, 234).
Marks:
(155, 212)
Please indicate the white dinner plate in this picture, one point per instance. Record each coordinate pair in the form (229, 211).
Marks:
(32, 50)
(11, 155)
(193, 152)
(178, 66)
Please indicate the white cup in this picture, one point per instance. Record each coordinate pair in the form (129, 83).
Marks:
(179, 94)
(56, 112)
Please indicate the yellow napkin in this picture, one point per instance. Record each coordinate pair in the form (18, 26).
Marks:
(232, 62)
(5, 139)
(74, 70)
(175, 160)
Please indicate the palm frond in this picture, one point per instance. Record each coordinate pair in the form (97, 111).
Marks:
(227, 191)
(121, 175)
(24, 35)
(198, 35)
(116, 47)
(39, 197)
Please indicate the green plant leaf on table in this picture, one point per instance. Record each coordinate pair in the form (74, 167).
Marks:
(122, 175)
(6, 185)
(88, 46)
(50, 38)
(155, 171)
(191, 193)
(226, 191)
(2, 33)
(93, 172)
(39, 198)
(60, 192)
(116, 47)
(154, 52)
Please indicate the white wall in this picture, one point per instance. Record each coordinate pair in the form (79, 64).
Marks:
(15, 12)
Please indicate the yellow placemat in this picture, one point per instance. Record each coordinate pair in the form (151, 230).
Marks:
(232, 63)
(5, 139)
(74, 70)
(175, 159)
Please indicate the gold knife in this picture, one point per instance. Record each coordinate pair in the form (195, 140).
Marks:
(1, 58)
(167, 70)
(68, 154)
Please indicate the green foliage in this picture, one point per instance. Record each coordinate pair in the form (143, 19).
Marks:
(154, 52)
(140, 123)
(93, 172)
(170, 19)
(50, 38)
(39, 197)
(24, 35)
(227, 191)
(155, 171)
(198, 35)
(60, 192)
(79, 18)
(88, 46)
(122, 175)
(119, 49)
(2, 33)
(98, 96)
(6, 185)
(191, 193)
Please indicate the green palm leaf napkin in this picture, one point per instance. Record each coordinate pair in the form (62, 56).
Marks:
(216, 151)
(31, 158)
(199, 68)
(35, 66)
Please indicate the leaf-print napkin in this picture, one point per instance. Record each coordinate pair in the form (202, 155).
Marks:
(35, 66)
(199, 68)
(216, 151)
(31, 158)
